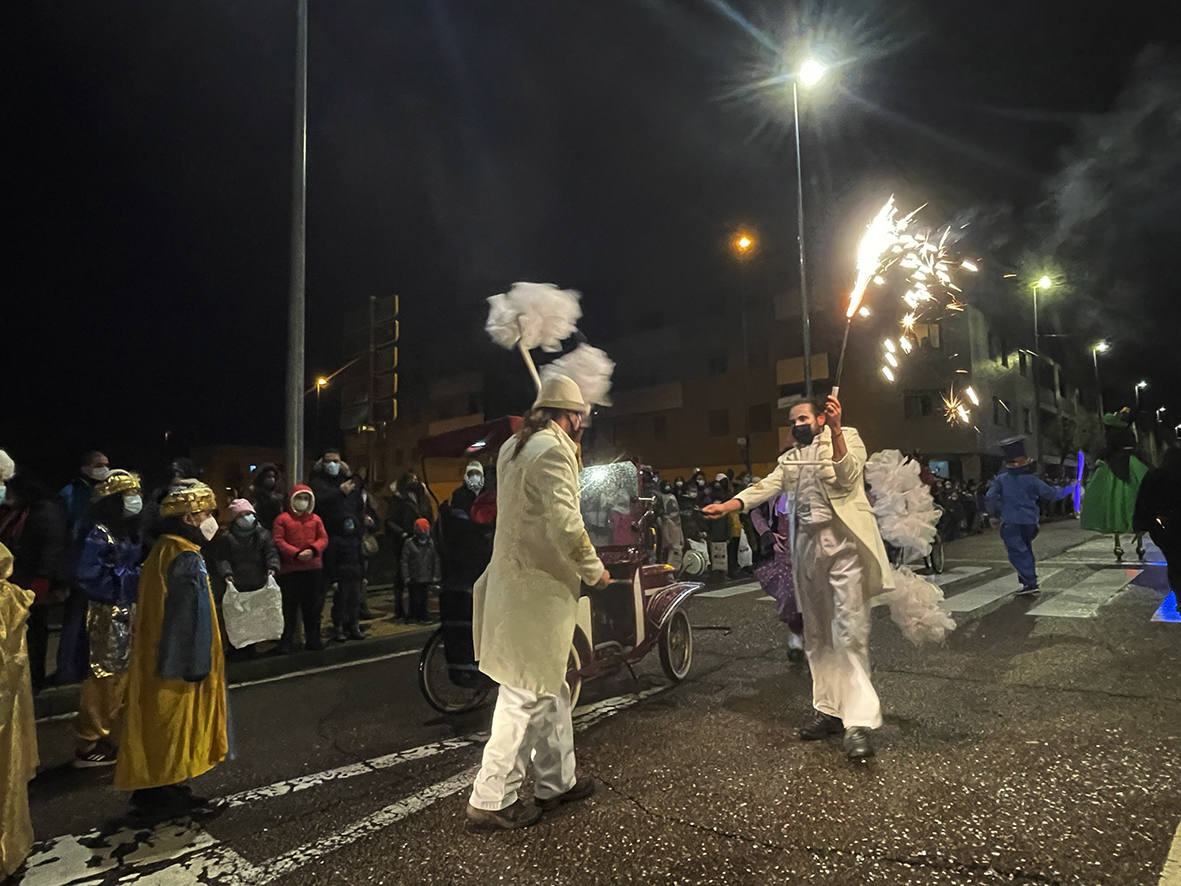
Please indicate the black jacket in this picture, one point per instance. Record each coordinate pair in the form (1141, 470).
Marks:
(464, 546)
(1159, 499)
(344, 558)
(37, 537)
(331, 503)
(401, 512)
(268, 503)
(420, 562)
(245, 557)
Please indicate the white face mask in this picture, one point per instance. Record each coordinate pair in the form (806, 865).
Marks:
(98, 474)
(301, 505)
(474, 481)
(331, 468)
(132, 505)
(208, 527)
(246, 521)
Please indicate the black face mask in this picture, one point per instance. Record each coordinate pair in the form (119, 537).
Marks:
(803, 434)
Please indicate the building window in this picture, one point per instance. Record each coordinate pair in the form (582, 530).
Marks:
(660, 427)
(760, 417)
(929, 335)
(718, 364)
(1022, 362)
(918, 404)
(1027, 421)
(719, 422)
(756, 357)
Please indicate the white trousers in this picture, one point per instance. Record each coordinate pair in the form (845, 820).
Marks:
(831, 595)
(526, 726)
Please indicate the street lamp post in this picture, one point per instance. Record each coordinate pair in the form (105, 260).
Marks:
(744, 246)
(1140, 385)
(1043, 283)
(294, 448)
(810, 73)
(1097, 349)
(321, 383)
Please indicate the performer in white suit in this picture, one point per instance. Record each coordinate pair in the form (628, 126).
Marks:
(840, 564)
(524, 611)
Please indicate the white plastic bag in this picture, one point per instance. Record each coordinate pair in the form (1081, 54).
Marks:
(253, 616)
(746, 556)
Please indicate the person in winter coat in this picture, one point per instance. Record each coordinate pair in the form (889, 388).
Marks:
(300, 537)
(526, 605)
(1158, 511)
(1110, 497)
(18, 737)
(344, 566)
(33, 528)
(420, 570)
(672, 539)
(244, 553)
(108, 573)
(473, 484)
(174, 727)
(180, 472)
(337, 491)
(1014, 496)
(266, 494)
(406, 505)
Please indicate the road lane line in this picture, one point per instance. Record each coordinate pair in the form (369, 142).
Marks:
(191, 855)
(1084, 599)
(289, 676)
(1170, 874)
(990, 592)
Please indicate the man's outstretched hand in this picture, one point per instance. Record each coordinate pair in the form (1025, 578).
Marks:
(721, 509)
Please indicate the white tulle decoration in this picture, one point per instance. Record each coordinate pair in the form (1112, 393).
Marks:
(533, 315)
(902, 503)
(591, 370)
(916, 606)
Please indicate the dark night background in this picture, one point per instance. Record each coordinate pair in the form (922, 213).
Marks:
(458, 145)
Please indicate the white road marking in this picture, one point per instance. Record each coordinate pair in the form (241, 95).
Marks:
(956, 573)
(288, 676)
(989, 592)
(1170, 874)
(190, 855)
(1084, 599)
(747, 588)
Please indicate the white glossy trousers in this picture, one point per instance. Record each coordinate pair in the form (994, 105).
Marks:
(526, 727)
(831, 595)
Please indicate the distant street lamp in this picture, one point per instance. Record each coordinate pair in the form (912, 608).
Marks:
(744, 245)
(1140, 385)
(1044, 283)
(1159, 412)
(1100, 347)
(811, 72)
(321, 383)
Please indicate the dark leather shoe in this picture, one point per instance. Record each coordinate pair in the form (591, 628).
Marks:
(582, 789)
(857, 745)
(340, 636)
(510, 818)
(819, 726)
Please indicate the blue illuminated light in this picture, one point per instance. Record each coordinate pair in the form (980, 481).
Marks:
(1168, 609)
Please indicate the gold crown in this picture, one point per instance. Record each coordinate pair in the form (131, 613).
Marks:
(117, 483)
(188, 497)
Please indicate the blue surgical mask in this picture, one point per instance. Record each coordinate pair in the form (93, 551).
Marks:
(132, 505)
(331, 468)
(349, 525)
(246, 521)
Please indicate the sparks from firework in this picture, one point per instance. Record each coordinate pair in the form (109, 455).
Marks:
(954, 409)
(879, 248)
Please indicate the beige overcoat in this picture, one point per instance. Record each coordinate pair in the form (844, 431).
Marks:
(526, 602)
(844, 481)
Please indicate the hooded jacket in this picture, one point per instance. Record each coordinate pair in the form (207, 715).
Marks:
(299, 532)
(268, 503)
(246, 557)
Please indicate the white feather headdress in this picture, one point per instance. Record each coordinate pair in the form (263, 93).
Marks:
(591, 370)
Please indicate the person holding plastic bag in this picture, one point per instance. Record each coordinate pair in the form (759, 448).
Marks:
(247, 560)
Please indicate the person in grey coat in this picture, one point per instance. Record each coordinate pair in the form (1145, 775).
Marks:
(420, 569)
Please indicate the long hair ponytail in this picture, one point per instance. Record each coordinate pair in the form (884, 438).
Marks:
(534, 421)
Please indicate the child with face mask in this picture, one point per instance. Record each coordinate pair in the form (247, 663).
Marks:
(344, 565)
(420, 569)
(244, 554)
(300, 537)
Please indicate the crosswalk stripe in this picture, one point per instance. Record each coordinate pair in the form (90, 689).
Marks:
(989, 592)
(746, 588)
(1084, 599)
(956, 573)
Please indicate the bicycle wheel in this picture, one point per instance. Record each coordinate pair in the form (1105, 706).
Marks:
(441, 692)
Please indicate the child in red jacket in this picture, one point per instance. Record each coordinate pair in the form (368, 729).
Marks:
(301, 540)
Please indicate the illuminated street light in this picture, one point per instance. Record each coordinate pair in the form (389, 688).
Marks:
(743, 244)
(321, 382)
(1045, 283)
(812, 72)
(1140, 386)
(1100, 347)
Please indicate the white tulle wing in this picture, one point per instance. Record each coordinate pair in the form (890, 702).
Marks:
(590, 368)
(538, 315)
(902, 503)
(916, 606)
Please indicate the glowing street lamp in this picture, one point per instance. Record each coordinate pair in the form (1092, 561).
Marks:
(743, 244)
(1100, 347)
(1140, 385)
(812, 72)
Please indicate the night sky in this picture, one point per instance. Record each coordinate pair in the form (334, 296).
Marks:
(458, 145)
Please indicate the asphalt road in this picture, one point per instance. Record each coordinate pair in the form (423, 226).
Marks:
(1039, 745)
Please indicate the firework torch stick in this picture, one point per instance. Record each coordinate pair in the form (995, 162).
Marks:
(836, 388)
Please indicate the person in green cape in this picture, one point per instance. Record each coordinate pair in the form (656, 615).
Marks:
(1110, 496)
